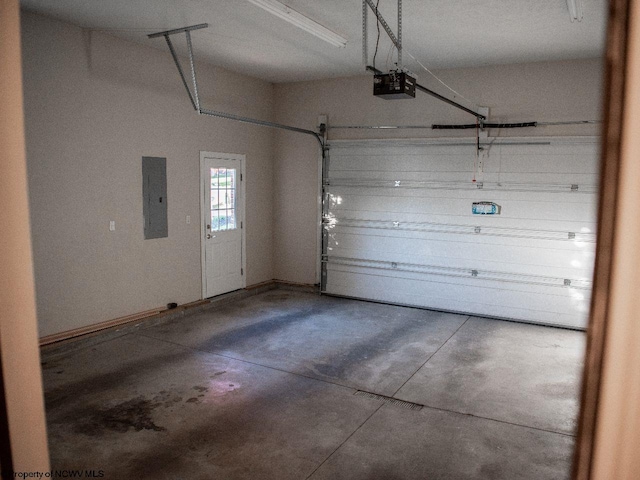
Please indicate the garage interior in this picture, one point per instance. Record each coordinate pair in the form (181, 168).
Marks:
(381, 289)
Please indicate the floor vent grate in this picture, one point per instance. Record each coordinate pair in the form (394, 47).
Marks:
(390, 400)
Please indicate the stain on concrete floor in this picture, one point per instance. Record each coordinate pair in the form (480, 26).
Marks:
(134, 414)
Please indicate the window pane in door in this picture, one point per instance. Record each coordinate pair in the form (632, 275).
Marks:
(232, 219)
(223, 199)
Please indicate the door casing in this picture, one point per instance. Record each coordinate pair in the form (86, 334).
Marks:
(204, 211)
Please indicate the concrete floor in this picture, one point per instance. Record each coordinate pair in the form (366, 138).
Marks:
(263, 388)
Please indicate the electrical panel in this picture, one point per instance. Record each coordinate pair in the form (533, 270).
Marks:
(394, 86)
(154, 197)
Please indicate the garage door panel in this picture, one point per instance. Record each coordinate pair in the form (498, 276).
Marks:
(531, 260)
(403, 176)
(402, 218)
(403, 163)
(387, 233)
(538, 179)
(468, 236)
(460, 190)
(448, 205)
(384, 203)
(482, 266)
(549, 162)
(586, 148)
(400, 227)
(450, 276)
(352, 151)
(490, 300)
(553, 146)
(521, 159)
(582, 179)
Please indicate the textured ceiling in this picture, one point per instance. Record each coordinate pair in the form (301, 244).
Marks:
(440, 33)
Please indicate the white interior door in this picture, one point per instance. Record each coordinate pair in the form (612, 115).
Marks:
(222, 195)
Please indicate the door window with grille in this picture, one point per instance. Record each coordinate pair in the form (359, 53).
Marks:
(223, 199)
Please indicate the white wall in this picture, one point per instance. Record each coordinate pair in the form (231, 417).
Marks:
(94, 106)
(551, 91)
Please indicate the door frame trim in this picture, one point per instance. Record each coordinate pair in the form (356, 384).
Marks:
(242, 190)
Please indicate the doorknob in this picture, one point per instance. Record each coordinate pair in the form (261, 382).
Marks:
(209, 236)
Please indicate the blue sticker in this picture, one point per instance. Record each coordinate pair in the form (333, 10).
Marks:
(485, 208)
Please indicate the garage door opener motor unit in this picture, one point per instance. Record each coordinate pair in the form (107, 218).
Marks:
(394, 85)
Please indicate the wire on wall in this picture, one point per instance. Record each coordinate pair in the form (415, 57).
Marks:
(375, 54)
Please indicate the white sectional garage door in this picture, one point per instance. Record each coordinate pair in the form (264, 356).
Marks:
(399, 226)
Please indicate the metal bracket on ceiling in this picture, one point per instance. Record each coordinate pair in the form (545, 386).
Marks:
(195, 100)
(397, 40)
(194, 97)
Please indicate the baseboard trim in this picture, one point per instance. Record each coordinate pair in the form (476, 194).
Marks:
(116, 322)
(165, 313)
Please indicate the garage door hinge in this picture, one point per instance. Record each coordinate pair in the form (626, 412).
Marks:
(474, 273)
(567, 282)
(480, 185)
(477, 230)
(572, 235)
(574, 188)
